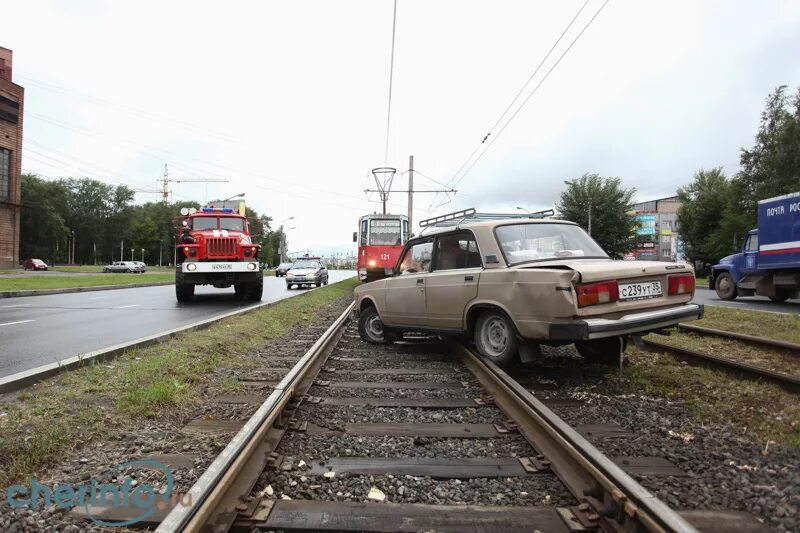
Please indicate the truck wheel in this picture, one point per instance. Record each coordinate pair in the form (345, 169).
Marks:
(254, 290)
(605, 351)
(725, 287)
(496, 338)
(240, 289)
(184, 292)
(370, 326)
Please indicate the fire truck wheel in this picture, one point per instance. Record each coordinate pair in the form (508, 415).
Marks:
(184, 292)
(240, 289)
(254, 290)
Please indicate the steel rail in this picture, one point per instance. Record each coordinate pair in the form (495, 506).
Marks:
(785, 380)
(208, 491)
(753, 339)
(616, 502)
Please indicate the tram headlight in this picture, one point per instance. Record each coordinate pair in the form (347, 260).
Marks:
(371, 263)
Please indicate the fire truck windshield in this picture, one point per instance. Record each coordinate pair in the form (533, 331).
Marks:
(384, 232)
(226, 223)
(231, 224)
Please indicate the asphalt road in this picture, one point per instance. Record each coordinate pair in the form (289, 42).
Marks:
(36, 330)
(756, 303)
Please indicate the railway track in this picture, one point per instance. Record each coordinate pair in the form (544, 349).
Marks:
(417, 436)
(787, 381)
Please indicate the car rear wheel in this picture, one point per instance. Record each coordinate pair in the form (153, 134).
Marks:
(725, 287)
(496, 338)
(370, 326)
(602, 350)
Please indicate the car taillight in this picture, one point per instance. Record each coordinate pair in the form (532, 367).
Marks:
(681, 284)
(597, 293)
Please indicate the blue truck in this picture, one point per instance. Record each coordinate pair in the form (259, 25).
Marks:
(769, 263)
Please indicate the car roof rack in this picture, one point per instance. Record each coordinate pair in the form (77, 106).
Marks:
(471, 215)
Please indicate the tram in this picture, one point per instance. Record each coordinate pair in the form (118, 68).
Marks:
(380, 240)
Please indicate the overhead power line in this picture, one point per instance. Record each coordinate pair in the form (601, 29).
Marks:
(530, 95)
(391, 80)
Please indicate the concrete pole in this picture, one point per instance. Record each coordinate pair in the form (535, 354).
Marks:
(590, 219)
(411, 194)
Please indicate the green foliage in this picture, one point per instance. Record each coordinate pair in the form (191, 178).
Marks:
(772, 166)
(609, 202)
(715, 208)
(104, 218)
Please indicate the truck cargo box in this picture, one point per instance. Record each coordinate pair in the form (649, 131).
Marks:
(779, 232)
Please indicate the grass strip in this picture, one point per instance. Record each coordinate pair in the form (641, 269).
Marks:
(24, 283)
(39, 425)
(764, 409)
(770, 325)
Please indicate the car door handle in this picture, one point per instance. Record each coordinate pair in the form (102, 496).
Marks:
(469, 278)
(420, 281)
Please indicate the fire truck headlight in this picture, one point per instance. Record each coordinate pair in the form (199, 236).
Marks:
(251, 266)
(371, 263)
(192, 252)
(191, 267)
(247, 252)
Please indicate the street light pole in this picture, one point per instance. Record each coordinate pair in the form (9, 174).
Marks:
(282, 242)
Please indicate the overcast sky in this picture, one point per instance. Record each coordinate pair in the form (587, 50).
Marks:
(288, 100)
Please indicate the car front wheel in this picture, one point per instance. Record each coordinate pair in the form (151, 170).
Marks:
(496, 338)
(370, 326)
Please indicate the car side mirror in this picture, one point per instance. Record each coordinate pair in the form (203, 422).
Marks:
(388, 271)
(355, 236)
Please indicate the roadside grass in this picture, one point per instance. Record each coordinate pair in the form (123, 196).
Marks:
(762, 409)
(42, 423)
(65, 282)
(99, 269)
(770, 325)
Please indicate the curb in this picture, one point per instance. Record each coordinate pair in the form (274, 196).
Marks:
(45, 292)
(26, 378)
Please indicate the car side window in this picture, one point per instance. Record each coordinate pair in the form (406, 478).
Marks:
(457, 251)
(417, 259)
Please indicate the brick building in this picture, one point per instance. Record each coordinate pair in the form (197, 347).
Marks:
(11, 100)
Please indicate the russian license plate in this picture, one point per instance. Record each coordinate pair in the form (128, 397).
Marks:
(640, 291)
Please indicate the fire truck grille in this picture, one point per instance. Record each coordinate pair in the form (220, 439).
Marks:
(221, 247)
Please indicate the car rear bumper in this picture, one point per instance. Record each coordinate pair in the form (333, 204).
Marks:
(597, 328)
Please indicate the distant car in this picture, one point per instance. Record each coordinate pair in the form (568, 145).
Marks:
(282, 269)
(142, 265)
(515, 281)
(34, 264)
(124, 266)
(307, 273)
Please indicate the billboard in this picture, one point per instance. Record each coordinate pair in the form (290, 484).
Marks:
(647, 224)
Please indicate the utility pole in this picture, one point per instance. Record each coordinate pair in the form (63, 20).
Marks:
(122, 250)
(590, 219)
(410, 193)
(160, 246)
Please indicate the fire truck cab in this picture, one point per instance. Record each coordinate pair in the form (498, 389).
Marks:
(214, 247)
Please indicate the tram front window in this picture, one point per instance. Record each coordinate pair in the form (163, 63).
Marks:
(385, 232)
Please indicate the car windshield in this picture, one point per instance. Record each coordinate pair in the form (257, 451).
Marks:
(522, 243)
(384, 232)
(305, 264)
(201, 223)
(37, 261)
(231, 223)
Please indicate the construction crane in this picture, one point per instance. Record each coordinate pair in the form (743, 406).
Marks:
(166, 180)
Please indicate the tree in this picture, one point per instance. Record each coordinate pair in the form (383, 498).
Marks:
(707, 222)
(772, 166)
(42, 222)
(606, 199)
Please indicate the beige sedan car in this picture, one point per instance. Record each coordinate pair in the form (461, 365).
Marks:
(509, 282)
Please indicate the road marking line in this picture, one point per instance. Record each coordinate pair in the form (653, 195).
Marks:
(16, 305)
(18, 322)
(127, 306)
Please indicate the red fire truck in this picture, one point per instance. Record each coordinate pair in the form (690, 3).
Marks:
(380, 240)
(214, 248)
